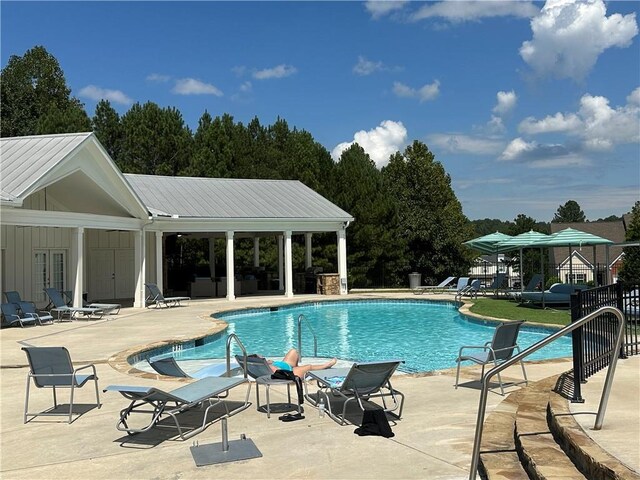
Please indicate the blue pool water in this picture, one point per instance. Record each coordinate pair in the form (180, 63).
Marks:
(427, 335)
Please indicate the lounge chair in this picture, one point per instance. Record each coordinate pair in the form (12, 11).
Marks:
(29, 308)
(557, 294)
(51, 367)
(13, 297)
(258, 368)
(443, 285)
(462, 283)
(360, 383)
(169, 367)
(12, 317)
(529, 287)
(470, 290)
(501, 348)
(206, 393)
(496, 285)
(61, 307)
(107, 308)
(156, 298)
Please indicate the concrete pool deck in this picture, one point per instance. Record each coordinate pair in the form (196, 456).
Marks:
(433, 439)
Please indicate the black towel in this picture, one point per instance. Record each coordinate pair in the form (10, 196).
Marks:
(288, 375)
(374, 422)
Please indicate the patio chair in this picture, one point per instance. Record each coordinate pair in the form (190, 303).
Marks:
(107, 308)
(462, 283)
(529, 287)
(443, 285)
(169, 367)
(206, 393)
(496, 285)
(259, 369)
(51, 367)
(61, 307)
(501, 348)
(470, 290)
(13, 297)
(360, 383)
(558, 293)
(29, 308)
(156, 298)
(12, 317)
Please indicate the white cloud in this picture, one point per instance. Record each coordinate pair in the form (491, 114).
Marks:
(239, 70)
(424, 93)
(570, 35)
(600, 126)
(97, 93)
(367, 67)
(551, 123)
(192, 86)
(279, 71)
(158, 77)
(467, 11)
(506, 102)
(380, 142)
(536, 155)
(459, 143)
(246, 87)
(464, 184)
(379, 8)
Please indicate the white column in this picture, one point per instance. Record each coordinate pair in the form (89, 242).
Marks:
(288, 265)
(308, 258)
(342, 260)
(138, 259)
(212, 257)
(256, 251)
(231, 277)
(280, 277)
(78, 288)
(159, 260)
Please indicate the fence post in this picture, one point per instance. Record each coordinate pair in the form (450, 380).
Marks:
(576, 340)
(620, 305)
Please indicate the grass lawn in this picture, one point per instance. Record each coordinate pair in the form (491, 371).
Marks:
(509, 310)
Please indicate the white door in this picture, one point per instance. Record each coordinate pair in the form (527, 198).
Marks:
(50, 269)
(125, 282)
(102, 275)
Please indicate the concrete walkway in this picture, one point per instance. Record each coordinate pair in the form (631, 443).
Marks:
(433, 440)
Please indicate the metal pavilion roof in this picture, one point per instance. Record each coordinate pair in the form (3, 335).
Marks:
(223, 198)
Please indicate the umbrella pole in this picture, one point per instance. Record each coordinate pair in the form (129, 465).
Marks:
(542, 270)
(570, 266)
(521, 274)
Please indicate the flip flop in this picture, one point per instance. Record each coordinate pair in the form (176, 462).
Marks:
(291, 418)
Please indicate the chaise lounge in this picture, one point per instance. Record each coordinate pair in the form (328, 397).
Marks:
(61, 307)
(443, 285)
(156, 298)
(558, 294)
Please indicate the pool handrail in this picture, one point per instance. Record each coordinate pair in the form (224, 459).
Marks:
(233, 336)
(315, 337)
(615, 352)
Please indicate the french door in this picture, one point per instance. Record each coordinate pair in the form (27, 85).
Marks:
(50, 271)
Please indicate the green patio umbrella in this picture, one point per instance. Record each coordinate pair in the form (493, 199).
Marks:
(520, 242)
(570, 237)
(488, 244)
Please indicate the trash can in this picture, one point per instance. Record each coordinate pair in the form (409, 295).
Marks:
(415, 279)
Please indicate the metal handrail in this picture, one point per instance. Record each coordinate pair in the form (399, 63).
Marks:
(537, 346)
(233, 336)
(315, 338)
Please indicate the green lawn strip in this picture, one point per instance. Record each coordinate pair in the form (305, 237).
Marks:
(509, 310)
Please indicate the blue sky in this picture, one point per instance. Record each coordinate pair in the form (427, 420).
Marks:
(526, 104)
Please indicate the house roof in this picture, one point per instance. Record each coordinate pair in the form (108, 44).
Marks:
(223, 198)
(613, 231)
(26, 159)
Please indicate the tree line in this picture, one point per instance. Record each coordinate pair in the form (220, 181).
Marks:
(407, 216)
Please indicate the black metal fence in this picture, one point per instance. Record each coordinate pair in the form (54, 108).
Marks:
(592, 344)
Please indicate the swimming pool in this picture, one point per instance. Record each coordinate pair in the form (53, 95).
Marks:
(426, 334)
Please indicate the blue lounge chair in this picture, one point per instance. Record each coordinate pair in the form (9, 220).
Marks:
(470, 290)
(501, 348)
(13, 297)
(496, 285)
(169, 367)
(61, 307)
(557, 294)
(529, 287)
(434, 288)
(207, 393)
(107, 308)
(29, 309)
(462, 283)
(360, 383)
(51, 367)
(12, 317)
(156, 298)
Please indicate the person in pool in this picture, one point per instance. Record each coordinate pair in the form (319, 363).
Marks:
(291, 363)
